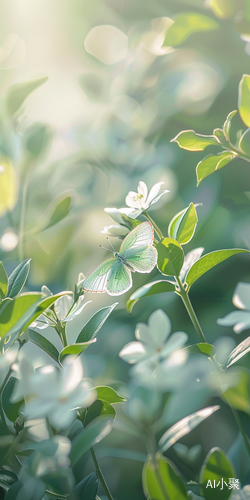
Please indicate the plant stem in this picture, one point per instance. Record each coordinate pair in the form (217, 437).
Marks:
(156, 228)
(7, 455)
(100, 475)
(186, 301)
(22, 220)
(56, 494)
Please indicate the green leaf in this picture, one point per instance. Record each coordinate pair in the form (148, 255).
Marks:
(43, 305)
(33, 489)
(170, 257)
(182, 226)
(44, 344)
(240, 350)
(20, 91)
(86, 489)
(3, 282)
(191, 141)
(14, 314)
(224, 8)
(99, 409)
(7, 478)
(57, 210)
(18, 278)
(216, 466)
(211, 163)
(92, 434)
(92, 327)
(202, 348)
(153, 288)
(10, 409)
(108, 394)
(238, 396)
(227, 125)
(74, 349)
(161, 481)
(185, 24)
(37, 139)
(183, 427)
(244, 99)
(244, 142)
(209, 261)
(8, 187)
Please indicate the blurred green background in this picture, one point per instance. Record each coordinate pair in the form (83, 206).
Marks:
(113, 100)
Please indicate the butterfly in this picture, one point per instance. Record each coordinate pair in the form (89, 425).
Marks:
(136, 253)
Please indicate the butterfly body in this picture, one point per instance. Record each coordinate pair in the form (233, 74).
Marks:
(136, 254)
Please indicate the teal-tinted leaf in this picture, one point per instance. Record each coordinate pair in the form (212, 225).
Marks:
(189, 140)
(14, 314)
(170, 257)
(7, 478)
(99, 409)
(14, 490)
(10, 409)
(244, 99)
(20, 91)
(108, 394)
(18, 278)
(161, 286)
(60, 481)
(184, 426)
(44, 344)
(75, 349)
(185, 24)
(216, 466)
(86, 489)
(209, 261)
(92, 327)
(211, 163)
(244, 142)
(238, 396)
(57, 210)
(32, 489)
(240, 350)
(3, 282)
(182, 226)
(43, 305)
(161, 481)
(227, 125)
(92, 434)
(202, 348)
(37, 139)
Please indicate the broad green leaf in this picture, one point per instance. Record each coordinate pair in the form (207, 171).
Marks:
(170, 257)
(99, 409)
(92, 327)
(3, 282)
(57, 210)
(33, 489)
(86, 489)
(14, 314)
(244, 142)
(211, 163)
(108, 394)
(238, 396)
(224, 8)
(185, 24)
(37, 139)
(18, 278)
(161, 286)
(227, 125)
(20, 91)
(244, 99)
(10, 409)
(220, 136)
(43, 305)
(216, 466)
(182, 226)
(191, 141)
(240, 350)
(184, 426)
(209, 261)
(92, 434)
(202, 348)
(161, 481)
(44, 344)
(74, 349)
(8, 187)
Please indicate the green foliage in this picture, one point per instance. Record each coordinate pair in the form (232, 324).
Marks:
(161, 480)
(185, 24)
(58, 209)
(92, 327)
(99, 409)
(212, 163)
(191, 141)
(87, 488)
(3, 282)
(8, 187)
(44, 344)
(19, 92)
(216, 466)
(183, 225)
(108, 394)
(93, 433)
(74, 349)
(244, 99)
(18, 278)
(238, 394)
(170, 257)
(11, 410)
(161, 286)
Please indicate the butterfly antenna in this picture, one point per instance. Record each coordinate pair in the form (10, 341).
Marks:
(111, 244)
(109, 249)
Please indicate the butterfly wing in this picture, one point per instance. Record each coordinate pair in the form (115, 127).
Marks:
(142, 259)
(96, 281)
(119, 279)
(139, 236)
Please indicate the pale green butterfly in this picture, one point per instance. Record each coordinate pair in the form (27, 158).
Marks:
(136, 254)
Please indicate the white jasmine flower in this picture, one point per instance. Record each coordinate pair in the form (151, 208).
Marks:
(151, 340)
(53, 393)
(142, 200)
(240, 319)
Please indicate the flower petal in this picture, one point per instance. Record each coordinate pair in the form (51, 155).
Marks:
(142, 190)
(160, 327)
(132, 352)
(241, 297)
(176, 342)
(241, 320)
(132, 200)
(159, 196)
(115, 230)
(154, 191)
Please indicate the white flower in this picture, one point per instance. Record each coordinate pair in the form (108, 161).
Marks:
(142, 200)
(152, 343)
(240, 319)
(53, 393)
(120, 215)
(116, 230)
